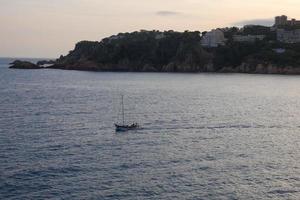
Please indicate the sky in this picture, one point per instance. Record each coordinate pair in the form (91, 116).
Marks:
(50, 28)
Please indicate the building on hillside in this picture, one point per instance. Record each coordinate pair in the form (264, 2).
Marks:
(283, 21)
(214, 38)
(248, 38)
(288, 36)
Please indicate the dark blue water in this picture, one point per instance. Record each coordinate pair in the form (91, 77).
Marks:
(204, 136)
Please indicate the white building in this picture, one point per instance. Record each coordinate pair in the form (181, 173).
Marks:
(248, 38)
(288, 36)
(283, 21)
(214, 38)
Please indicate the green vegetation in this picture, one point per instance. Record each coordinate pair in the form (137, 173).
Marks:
(172, 51)
(291, 57)
(159, 51)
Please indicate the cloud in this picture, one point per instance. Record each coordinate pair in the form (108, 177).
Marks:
(263, 22)
(167, 13)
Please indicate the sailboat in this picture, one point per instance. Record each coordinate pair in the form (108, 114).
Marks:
(125, 127)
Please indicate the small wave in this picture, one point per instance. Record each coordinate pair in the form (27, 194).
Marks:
(242, 155)
(282, 191)
(204, 168)
(234, 126)
(210, 158)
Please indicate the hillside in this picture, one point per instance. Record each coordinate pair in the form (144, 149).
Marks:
(140, 51)
(170, 51)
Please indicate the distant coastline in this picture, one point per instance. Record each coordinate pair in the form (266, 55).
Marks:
(251, 49)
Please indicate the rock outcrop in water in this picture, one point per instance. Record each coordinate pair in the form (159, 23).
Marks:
(45, 62)
(24, 65)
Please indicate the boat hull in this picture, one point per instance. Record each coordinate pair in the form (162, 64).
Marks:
(124, 128)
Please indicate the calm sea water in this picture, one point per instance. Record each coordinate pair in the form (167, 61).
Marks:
(204, 136)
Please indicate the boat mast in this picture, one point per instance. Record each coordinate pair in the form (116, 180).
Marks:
(123, 111)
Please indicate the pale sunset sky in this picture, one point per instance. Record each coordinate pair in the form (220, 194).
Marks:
(49, 28)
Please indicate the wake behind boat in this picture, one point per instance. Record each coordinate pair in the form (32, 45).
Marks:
(125, 127)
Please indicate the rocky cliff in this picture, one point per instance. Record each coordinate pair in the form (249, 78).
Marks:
(146, 51)
(153, 51)
(169, 51)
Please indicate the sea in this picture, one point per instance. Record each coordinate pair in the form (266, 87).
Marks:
(202, 135)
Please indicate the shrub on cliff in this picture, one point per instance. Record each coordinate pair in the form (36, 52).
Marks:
(132, 51)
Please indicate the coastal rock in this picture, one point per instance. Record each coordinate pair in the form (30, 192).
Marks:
(45, 62)
(228, 70)
(292, 70)
(171, 67)
(247, 67)
(85, 65)
(149, 68)
(187, 67)
(243, 68)
(261, 69)
(18, 64)
(272, 69)
(209, 67)
(267, 68)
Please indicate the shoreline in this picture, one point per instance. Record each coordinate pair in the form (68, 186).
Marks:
(162, 72)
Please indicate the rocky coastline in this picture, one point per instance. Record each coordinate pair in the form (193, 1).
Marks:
(18, 64)
(169, 51)
(260, 68)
